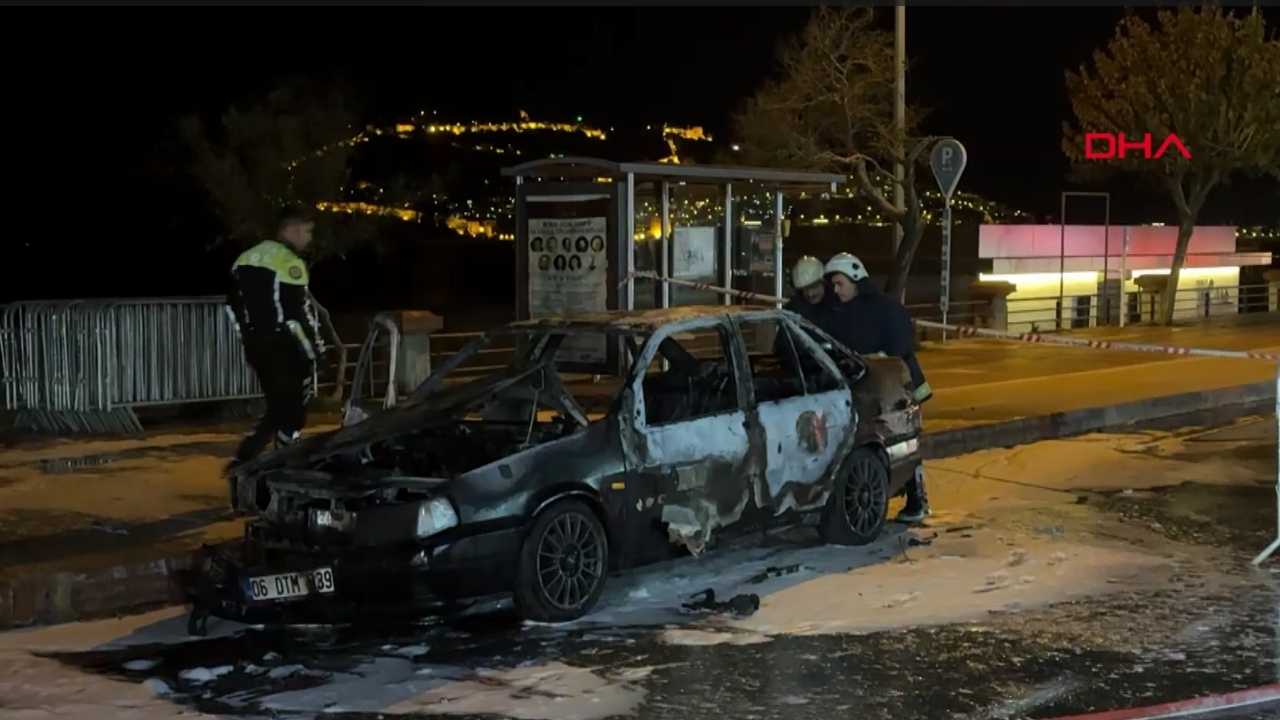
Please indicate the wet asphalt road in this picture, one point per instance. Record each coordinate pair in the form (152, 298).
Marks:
(1127, 650)
(1215, 629)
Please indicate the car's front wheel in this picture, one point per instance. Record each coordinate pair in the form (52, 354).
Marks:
(856, 510)
(562, 564)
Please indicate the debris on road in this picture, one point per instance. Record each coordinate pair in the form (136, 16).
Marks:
(914, 541)
(740, 605)
(774, 572)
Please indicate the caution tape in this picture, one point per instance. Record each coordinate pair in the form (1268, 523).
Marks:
(974, 331)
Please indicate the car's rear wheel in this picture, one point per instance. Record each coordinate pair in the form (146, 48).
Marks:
(562, 564)
(856, 510)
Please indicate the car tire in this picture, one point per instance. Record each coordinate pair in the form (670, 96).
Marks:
(563, 563)
(855, 512)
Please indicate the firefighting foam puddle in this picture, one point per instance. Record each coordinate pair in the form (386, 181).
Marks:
(304, 671)
(957, 577)
(34, 687)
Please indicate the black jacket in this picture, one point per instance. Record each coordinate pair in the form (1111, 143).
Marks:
(807, 310)
(873, 323)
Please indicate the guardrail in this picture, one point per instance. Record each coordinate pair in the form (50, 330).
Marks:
(1048, 313)
(84, 365)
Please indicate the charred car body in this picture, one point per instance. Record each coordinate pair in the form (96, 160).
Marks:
(539, 481)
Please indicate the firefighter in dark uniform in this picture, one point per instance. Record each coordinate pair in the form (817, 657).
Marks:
(280, 331)
(811, 300)
(868, 322)
(811, 296)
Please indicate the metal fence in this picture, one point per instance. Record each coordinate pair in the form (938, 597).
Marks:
(486, 360)
(1049, 313)
(84, 365)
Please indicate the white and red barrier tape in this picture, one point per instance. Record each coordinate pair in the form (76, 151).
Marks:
(971, 331)
(1264, 694)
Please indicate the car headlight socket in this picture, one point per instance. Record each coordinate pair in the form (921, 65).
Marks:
(339, 520)
(434, 516)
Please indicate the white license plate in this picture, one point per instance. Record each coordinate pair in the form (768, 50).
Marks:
(291, 585)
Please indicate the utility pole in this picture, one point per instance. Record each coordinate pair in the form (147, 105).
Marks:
(899, 109)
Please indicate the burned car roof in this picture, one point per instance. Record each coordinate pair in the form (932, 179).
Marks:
(441, 405)
(639, 321)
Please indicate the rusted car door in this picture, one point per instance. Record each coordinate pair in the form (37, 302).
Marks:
(685, 432)
(805, 406)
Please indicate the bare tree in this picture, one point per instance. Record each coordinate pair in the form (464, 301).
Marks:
(1206, 76)
(292, 146)
(831, 107)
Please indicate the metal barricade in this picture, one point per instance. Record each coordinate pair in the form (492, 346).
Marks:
(84, 365)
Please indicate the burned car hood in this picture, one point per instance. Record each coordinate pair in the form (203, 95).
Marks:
(441, 408)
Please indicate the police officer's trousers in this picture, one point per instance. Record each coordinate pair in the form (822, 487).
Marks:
(286, 375)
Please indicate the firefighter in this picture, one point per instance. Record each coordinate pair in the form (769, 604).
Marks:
(280, 330)
(870, 322)
(810, 301)
(811, 297)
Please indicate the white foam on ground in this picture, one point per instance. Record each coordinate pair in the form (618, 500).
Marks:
(538, 692)
(700, 637)
(884, 585)
(203, 675)
(36, 688)
(284, 671)
(369, 687)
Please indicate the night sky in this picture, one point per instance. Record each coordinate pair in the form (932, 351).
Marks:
(91, 104)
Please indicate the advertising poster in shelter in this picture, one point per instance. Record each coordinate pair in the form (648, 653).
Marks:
(694, 256)
(568, 266)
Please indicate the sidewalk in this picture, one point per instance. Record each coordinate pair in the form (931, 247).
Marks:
(978, 381)
(93, 527)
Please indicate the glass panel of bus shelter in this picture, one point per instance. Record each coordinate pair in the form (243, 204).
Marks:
(754, 235)
(648, 244)
(697, 240)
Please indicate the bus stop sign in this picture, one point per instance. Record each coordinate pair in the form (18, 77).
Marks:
(948, 159)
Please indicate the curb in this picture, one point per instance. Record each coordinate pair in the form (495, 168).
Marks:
(69, 596)
(72, 596)
(1228, 402)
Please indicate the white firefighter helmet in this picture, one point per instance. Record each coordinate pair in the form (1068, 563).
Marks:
(847, 264)
(806, 272)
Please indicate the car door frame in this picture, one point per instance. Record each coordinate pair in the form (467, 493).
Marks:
(684, 494)
(793, 495)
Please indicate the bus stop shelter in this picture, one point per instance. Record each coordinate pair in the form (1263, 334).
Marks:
(584, 225)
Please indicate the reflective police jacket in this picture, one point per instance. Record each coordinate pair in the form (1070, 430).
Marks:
(269, 296)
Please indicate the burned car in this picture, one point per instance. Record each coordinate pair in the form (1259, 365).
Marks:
(608, 441)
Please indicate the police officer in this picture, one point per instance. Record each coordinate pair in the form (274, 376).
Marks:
(280, 331)
(867, 321)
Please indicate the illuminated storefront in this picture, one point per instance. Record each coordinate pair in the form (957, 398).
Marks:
(1083, 267)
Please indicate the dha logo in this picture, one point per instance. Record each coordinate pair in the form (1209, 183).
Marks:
(1109, 146)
